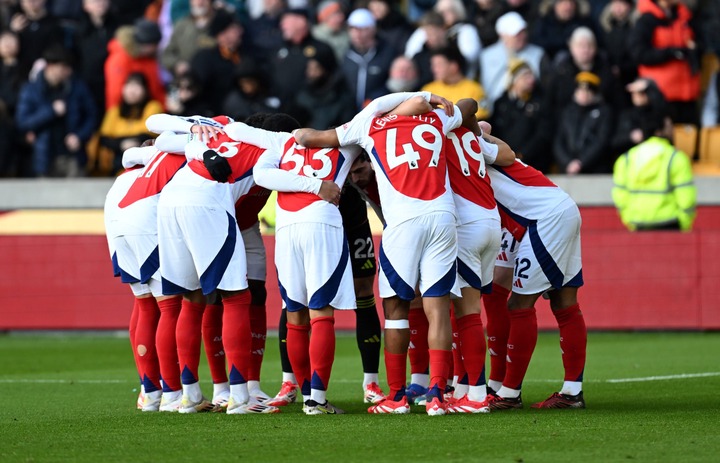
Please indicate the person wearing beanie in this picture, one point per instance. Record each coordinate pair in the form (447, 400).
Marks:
(330, 27)
(214, 66)
(583, 136)
(134, 49)
(522, 118)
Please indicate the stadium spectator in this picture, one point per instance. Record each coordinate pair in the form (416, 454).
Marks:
(403, 76)
(667, 49)
(185, 97)
(129, 11)
(324, 100)
(647, 100)
(392, 26)
(367, 63)
(584, 130)
(583, 56)
(435, 39)
(288, 62)
(37, 30)
(250, 93)
(214, 66)
(330, 27)
(485, 14)
(653, 182)
(513, 44)
(189, 34)
(263, 33)
(709, 16)
(11, 159)
(95, 29)
(448, 67)
(58, 115)
(616, 23)
(527, 9)
(181, 8)
(556, 23)
(123, 127)
(523, 119)
(710, 109)
(460, 33)
(134, 49)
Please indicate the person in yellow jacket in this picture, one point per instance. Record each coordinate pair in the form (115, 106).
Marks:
(653, 182)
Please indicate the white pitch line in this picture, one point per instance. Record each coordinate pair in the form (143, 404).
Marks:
(63, 381)
(663, 378)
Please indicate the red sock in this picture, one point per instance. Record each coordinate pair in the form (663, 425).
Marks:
(237, 337)
(132, 328)
(396, 368)
(418, 351)
(212, 339)
(322, 351)
(521, 344)
(458, 368)
(439, 368)
(472, 339)
(298, 347)
(189, 336)
(573, 341)
(258, 324)
(166, 345)
(498, 330)
(148, 317)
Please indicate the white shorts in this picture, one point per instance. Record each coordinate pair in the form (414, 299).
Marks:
(255, 253)
(549, 254)
(508, 250)
(201, 246)
(420, 252)
(313, 267)
(137, 256)
(478, 245)
(153, 287)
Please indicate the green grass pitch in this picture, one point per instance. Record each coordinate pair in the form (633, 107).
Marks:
(651, 397)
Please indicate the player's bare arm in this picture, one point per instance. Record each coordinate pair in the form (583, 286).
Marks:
(311, 138)
(506, 155)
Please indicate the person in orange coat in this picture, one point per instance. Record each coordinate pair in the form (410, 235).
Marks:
(134, 49)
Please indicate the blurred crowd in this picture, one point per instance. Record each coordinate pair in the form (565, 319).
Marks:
(567, 83)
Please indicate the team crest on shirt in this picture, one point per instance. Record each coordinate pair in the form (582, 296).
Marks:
(309, 51)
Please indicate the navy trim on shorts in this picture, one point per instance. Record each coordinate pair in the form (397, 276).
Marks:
(290, 305)
(444, 285)
(468, 275)
(125, 277)
(327, 292)
(210, 279)
(150, 266)
(547, 263)
(171, 289)
(115, 265)
(403, 290)
(576, 281)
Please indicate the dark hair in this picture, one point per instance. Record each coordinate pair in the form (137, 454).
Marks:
(652, 122)
(280, 122)
(453, 55)
(257, 120)
(57, 54)
(135, 111)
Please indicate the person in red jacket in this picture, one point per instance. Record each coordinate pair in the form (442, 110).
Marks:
(134, 49)
(665, 45)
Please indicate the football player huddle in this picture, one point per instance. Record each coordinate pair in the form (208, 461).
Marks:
(464, 222)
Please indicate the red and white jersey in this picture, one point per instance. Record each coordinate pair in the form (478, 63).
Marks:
(296, 173)
(241, 157)
(408, 155)
(117, 191)
(466, 159)
(525, 195)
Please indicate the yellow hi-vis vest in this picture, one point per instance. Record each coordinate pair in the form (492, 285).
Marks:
(654, 186)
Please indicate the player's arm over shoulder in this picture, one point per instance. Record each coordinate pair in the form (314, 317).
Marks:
(311, 138)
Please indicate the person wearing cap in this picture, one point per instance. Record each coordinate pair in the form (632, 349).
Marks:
(133, 49)
(366, 64)
(653, 182)
(556, 22)
(330, 27)
(522, 118)
(57, 114)
(513, 32)
(189, 34)
(448, 68)
(585, 126)
(287, 63)
(214, 66)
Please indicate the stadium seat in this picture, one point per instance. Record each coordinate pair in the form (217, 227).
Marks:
(710, 145)
(686, 138)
